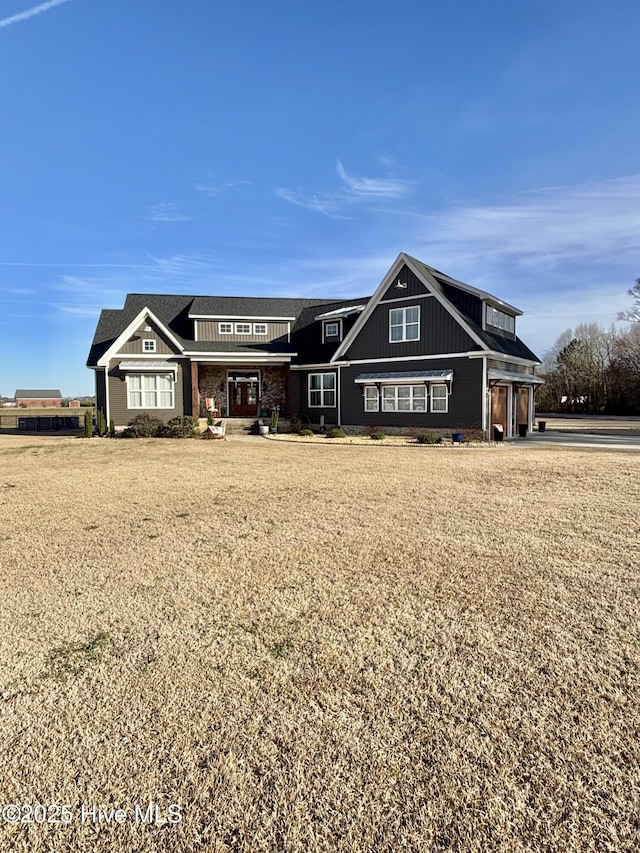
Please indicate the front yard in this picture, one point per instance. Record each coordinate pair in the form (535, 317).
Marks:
(313, 650)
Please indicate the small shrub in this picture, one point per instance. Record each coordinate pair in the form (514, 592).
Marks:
(336, 432)
(305, 432)
(144, 426)
(88, 423)
(183, 426)
(378, 436)
(112, 427)
(101, 422)
(427, 438)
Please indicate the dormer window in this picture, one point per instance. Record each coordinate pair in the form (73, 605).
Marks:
(243, 328)
(500, 320)
(225, 328)
(148, 345)
(331, 331)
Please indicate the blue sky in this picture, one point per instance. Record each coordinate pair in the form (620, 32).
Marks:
(294, 149)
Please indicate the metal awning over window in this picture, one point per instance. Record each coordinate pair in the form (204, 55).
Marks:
(148, 366)
(341, 312)
(519, 378)
(407, 377)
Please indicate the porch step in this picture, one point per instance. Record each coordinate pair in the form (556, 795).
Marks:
(239, 426)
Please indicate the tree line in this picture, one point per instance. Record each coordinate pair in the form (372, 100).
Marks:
(592, 369)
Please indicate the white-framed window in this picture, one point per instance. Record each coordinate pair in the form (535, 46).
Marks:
(322, 390)
(371, 399)
(404, 324)
(225, 328)
(439, 398)
(500, 320)
(404, 398)
(148, 345)
(259, 328)
(243, 328)
(331, 330)
(150, 391)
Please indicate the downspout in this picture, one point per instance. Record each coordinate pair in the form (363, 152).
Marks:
(339, 399)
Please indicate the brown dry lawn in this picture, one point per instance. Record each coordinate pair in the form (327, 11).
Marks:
(320, 648)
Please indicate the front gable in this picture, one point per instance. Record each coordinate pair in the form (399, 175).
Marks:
(442, 328)
(148, 331)
(133, 335)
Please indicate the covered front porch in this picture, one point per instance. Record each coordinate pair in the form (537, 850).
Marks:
(239, 390)
(511, 402)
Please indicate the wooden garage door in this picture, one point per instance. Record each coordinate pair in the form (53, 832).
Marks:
(522, 406)
(499, 406)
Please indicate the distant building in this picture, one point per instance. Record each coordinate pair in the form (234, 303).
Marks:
(30, 398)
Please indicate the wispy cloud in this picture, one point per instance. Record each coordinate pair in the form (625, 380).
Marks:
(166, 211)
(217, 190)
(543, 228)
(31, 13)
(351, 191)
(371, 188)
(325, 204)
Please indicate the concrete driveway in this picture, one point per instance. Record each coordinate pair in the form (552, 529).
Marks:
(579, 439)
(586, 431)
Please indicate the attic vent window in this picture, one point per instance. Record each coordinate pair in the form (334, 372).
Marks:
(149, 345)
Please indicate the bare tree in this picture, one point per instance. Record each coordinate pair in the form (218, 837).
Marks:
(633, 314)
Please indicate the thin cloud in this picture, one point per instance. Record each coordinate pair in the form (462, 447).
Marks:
(65, 266)
(544, 228)
(214, 191)
(326, 205)
(166, 211)
(31, 13)
(371, 188)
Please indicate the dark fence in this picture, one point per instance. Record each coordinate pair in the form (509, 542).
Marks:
(41, 423)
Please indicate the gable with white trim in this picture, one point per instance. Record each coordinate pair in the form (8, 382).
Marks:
(407, 319)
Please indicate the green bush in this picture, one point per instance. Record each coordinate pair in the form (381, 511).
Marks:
(427, 438)
(101, 422)
(88, 423)
(183, 426)
(112, 427)
(378, 436)
(336, 432)
(305, 432)
(144, 426)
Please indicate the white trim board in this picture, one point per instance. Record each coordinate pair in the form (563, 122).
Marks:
(123, 337)
(238, 317)
(431, 286)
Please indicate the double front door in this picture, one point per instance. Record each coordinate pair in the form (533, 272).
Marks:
(243, 397)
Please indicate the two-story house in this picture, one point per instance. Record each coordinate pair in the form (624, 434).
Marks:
(424, 350)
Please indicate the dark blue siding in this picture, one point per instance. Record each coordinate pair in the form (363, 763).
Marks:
(465, 400)
(439, 333)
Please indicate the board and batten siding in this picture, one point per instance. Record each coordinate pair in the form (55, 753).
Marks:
(439, 333)
(118, 403)
(464, 301)
(301, 393)
(134, 345)
(208, 330)
(465, 399)
(414, 287)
